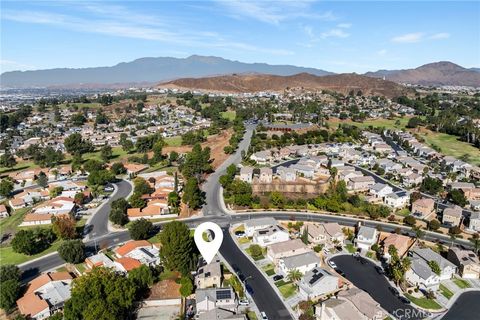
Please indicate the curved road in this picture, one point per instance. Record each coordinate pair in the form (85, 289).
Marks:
(466, 307)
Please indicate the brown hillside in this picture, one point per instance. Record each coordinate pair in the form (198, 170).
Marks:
(343, 83)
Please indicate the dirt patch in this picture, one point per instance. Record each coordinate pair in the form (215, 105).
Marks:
(216, 143)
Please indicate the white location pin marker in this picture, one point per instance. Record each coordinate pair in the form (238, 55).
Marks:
(208, 249)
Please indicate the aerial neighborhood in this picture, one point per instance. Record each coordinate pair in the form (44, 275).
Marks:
(334, 205)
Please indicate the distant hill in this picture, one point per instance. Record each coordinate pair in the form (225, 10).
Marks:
(150, 70)
(432, 74)
(343, 83)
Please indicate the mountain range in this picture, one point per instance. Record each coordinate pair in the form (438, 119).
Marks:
(155, 70)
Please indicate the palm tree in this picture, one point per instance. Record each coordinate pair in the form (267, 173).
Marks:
(294, 275)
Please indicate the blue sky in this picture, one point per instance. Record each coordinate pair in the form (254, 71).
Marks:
(338, 36)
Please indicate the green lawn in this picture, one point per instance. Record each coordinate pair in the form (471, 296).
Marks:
(257, 258)
(168, 274)
(11, 223)
(93, 105)
(251, 315)
(350, 248)
(81, 267)
(175, 141)
(287, 290)
(244, 240)
(230, 115)
(451, 146)
(462, 284)
(446, 292)
(424, 302)
(8, 256)
(387, 123)
(23, 165)
(154, 239)
(269, 269)
(404, 212)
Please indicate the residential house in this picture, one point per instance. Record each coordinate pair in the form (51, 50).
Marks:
(424, 208)
(302, 262)
(213, 298)
(328, 234)
(284, 249)
(270, 235)
(266, 175)
(352, 304)
(420, 274)
(400, 242)
(366, 237)
(318, 282)
(126, 264)
(3, 211)
(397, 200)
(303, 170)
(255, 224)
(286, 174)
(466, 261)
(447, 268)
(155, 209)
(452, 216)
(472, 193)
(474, 223)
(412, 180)
(45, 295)
(209, 275)
(218, 313)
(98, 260)
(246, 174)
(359, 184)
(140, 250)
(261, 157)
(134, 168)
(380, 190)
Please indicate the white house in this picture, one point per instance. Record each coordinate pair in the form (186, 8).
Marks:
(302, 262)
(380, 190)
(253, 225)
(366, 237)
(474, 223)
(270, 235)
(266, 175)
(447, 269)
(246, 174)
(286, 249)
(420, 274)
(397, 199)
(318, 282)
(286, 174)
(215, 298)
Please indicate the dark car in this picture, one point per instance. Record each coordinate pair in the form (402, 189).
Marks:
(340, 272)
(394, 291)
(404, 300)
(379, 270)
(249, 288)
(277, 277)
(241, 276)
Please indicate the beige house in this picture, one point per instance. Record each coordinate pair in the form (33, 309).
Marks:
(452, 216)
(424, 208)
(284, 249)
(324, 233)
(401, 242)
(360, 184)
(266, 175)
(209, 276)
(467, 262)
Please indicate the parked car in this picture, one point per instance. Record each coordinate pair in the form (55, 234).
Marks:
(243, 302)
(277, 277)
(264, 315)
(241, 276)
(239, 234)
(249, 289)
(379, 270)
(332, 264)
(394, 291)
(404, 300)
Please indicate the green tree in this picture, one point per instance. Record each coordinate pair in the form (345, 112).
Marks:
(118, 168)
(140, 229)
(141, 186)
(177, 251)
(7, 160)
(6, 187)
(277, 199)
(76, 145)
(142, 278)
(434, 224)
(197, 162)
(55, 192)
(72, 251)
(294, 275)
(192, 195)
(174, 202)
(9, 272)
(127, 145)
(101, 294)
(118, 212)
(100, 177)
(186, 288)
(32, 241)
(42, 179)
(136, 201)
(106, 152)
(435, 267)
(157, 150)
(9, 294)
(457, 197)
(64, 227)
(255, 251)
(410, 220)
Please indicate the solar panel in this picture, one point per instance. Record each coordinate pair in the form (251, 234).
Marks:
(223, 294)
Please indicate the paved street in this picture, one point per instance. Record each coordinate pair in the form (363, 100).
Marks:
(467, 307)
(364, 276)
(99, 221)
(265, 298)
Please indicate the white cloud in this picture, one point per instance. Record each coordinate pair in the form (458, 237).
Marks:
(10, 65)
(409, 37)
(334, 33)
(382, 52)
(344, 25)
(119, 23)
(274, 12)
(439, 36)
